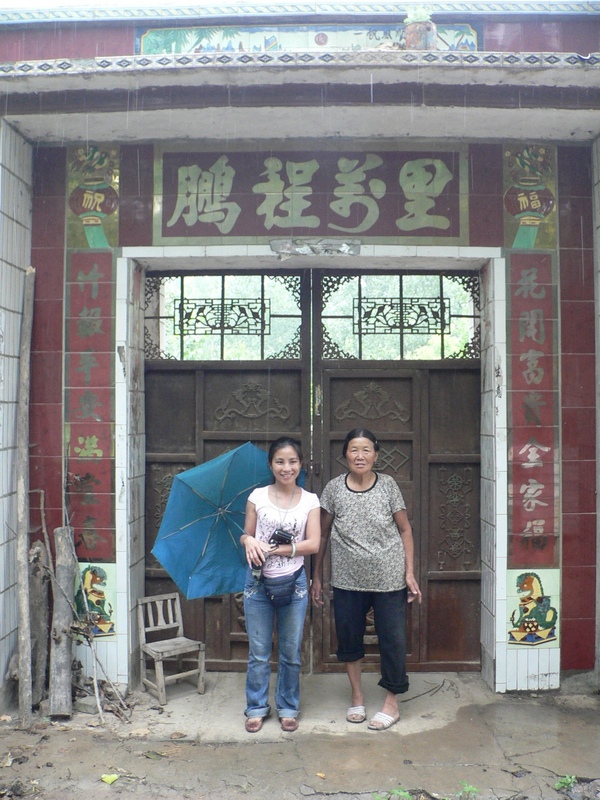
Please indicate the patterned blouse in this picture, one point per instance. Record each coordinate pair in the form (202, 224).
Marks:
(367, 553)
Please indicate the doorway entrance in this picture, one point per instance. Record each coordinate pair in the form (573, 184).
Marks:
(312, 354)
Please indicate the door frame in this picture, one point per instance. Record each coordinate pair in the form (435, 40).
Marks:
(129, 444)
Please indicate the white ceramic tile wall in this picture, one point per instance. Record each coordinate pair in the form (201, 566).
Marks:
(15, 253)
(544, 668)
(488, 549)
(554, 668)
(511, 669)
(494, 477)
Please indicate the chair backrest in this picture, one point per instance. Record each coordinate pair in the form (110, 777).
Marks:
(159, 617)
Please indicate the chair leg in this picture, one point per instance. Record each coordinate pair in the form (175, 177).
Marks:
(201, 669)
(143, 673)
(160, 683)
(179, 666)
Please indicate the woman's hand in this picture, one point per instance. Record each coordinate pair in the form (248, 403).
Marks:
(257, 552)
(413, 589)
(316, 592)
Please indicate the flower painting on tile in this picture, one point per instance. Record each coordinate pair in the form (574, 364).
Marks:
(534, 615)
(95, 598)
(530, 197)
(93, 192)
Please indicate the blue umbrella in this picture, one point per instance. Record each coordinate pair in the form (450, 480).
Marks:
(198, 541)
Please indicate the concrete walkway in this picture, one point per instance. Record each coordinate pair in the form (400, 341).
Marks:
(453, 731)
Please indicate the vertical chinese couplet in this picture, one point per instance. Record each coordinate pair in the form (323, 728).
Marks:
(89, 401)
(533, 410)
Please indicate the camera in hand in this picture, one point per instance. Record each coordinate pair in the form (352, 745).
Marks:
(281, 537)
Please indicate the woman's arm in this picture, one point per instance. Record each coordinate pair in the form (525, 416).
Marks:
(316, 588)
(256, 552)
(405, 529)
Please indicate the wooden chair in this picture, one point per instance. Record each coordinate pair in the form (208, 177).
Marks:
(161, 639)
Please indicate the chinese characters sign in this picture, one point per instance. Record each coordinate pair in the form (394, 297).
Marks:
(89, 401)
(533, 455)
(390, 196)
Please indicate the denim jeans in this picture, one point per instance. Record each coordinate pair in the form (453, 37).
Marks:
(389, 612)
(260, 621)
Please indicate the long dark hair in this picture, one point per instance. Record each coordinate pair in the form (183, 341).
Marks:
(279, 444)
(359, 433)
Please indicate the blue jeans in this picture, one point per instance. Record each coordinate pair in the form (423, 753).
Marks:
(389, 612)
(260, 621)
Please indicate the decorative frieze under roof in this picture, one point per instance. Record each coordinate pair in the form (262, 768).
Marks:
(213, 11)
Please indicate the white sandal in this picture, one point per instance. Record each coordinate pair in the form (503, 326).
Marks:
(356, 711)
(382, 721)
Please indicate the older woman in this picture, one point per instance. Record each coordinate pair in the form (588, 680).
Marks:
(372, 562)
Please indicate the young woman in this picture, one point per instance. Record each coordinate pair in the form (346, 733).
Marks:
(372, 564)
(282, 527)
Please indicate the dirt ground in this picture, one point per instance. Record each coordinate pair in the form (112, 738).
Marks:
(453, 734)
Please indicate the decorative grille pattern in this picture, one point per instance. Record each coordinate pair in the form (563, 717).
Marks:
(417, 316)
(371, 317)
(411, 315)
(209, 316)
(204, 318)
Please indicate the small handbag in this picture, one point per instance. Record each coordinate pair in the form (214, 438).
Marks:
(281, 590)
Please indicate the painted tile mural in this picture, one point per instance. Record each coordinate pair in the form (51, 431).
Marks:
(530, 197)
(89, 399)
(533, 606)
(93, 196)
(96, 597)
(388, 196)
(270, 38)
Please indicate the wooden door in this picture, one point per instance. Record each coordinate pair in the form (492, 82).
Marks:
(425, 415)
(426, 418)
(196, 410)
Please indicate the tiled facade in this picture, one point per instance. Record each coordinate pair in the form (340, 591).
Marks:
(87, 401)
(15, 243)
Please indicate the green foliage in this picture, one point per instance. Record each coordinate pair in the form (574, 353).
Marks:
(182, 40)
(418, 14)
(566, 782)
(467, 792)
(399, 792)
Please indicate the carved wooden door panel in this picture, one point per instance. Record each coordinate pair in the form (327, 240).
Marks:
(426, 422)
(450, 510)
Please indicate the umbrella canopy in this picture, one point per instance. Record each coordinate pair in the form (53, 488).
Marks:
(198, 542)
